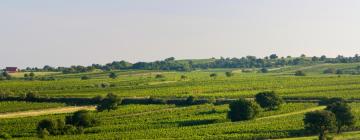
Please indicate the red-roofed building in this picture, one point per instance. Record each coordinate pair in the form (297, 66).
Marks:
(11, 69)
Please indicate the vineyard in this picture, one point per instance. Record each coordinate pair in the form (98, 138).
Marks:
(166, 121)
(170, 121)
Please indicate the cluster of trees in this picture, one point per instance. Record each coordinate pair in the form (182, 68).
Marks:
(111, 75)
(243, 109)
(333, 71)
(5, 76)
(65, 70)
(187, 65)
(335, 117)
(30, 76)
(73, 124)
(167, 64)
(75, 69)
(110, 102)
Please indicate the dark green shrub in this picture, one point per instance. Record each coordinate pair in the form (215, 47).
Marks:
(269, 100)
(110, 102)
(300, 73)
(264, 70)
(31, 96)
(183, 77)
(85, 77)
(159, 76)
(5, 136)
(113, 75)
(243, 109)
(229, 74)
(213, 75)
(81, 118)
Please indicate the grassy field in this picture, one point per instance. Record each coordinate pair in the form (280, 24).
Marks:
(21, 74)
(205, 121)
(23, 106)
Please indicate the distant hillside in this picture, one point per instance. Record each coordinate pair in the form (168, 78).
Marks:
(345, 68)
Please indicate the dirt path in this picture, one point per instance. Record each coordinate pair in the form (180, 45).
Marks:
(30, 113)
(293, 113)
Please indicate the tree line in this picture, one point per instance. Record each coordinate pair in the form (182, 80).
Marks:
(272, 60)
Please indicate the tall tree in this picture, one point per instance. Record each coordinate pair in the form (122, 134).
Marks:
(320, 122)
(344, 116)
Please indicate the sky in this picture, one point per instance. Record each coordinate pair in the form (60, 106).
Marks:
(34, 33)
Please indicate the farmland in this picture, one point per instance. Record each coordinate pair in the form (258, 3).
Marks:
(170, 121)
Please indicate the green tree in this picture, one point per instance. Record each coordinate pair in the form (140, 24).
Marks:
(323, 58)
(32, 74)
(110, 102)
(243, 109)
(82, 119)
(6, 75)
(183, 77)
(273, 56)
(264, 70)
(314, 58)
(269, 100)
(213, 75)
(31, 96)
(300, 73)
(46, 124)
(344, 116)
(339, 71)
(320, 122)
(229, 74)
(190, 100)
(159, 76)
(85, 77)
(113, 75)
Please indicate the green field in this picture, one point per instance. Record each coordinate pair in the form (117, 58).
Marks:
(8, 106)
(205, 121)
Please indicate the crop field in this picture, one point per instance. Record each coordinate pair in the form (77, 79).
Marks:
(169, 121)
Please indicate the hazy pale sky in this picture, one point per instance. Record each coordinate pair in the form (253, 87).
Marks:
(71, 32)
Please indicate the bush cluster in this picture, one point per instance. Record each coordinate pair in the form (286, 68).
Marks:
(74, 124)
